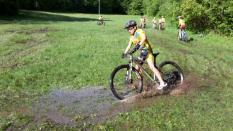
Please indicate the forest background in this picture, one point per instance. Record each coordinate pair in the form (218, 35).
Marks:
(200, 15)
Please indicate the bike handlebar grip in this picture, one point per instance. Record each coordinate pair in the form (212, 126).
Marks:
(135, 48)
(131, 52)
(123, 55)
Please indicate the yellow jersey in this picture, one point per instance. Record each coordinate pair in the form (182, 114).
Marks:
(181, 22)
(137, 37)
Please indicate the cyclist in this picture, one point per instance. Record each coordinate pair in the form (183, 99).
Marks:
(154, 23)
(101, 20)
(181, 26)
(139, 39)
(142, 22)
(162, 23)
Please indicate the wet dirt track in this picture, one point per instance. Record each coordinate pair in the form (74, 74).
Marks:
(91, 105)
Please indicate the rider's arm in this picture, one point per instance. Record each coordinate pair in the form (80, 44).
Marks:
(134, 49)
(143, 39)
(128, 47)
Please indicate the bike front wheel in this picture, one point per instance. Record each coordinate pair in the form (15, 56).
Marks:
(171, 73)
(125, 82)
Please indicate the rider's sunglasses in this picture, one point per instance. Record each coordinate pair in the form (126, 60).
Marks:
(130, 28)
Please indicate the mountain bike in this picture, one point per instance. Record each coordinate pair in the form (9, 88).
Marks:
(126, 80)
(183, 36)
(100, 22)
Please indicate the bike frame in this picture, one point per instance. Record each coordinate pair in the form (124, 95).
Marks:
(141, 67)
(133, 78)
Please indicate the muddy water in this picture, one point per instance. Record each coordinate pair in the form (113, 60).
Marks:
(88, 105)
(91, 105)
(71, 106)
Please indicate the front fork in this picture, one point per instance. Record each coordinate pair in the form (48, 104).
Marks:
(128, 77)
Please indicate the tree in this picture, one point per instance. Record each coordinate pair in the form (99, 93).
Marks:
(135, 7)
(195, 15)
(8, 7)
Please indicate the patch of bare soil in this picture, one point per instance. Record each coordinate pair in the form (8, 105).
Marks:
(93, 105)
(190, 82)
(29, 31)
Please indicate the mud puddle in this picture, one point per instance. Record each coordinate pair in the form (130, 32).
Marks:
(91, 105)
(73, 106)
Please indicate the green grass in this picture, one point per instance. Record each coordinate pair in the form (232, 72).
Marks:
(41, 51)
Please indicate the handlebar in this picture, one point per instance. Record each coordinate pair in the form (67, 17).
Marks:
(136, 59)
(132, 58)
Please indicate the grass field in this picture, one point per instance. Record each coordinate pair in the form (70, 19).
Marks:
(42, 51)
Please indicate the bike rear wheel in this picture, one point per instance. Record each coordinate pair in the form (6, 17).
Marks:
(125, 83)
(171, 73)
(183, 36)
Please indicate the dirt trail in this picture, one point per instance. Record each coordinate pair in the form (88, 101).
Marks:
(91, 105)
